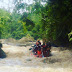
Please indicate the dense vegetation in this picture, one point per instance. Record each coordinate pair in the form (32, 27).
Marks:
(51, 20)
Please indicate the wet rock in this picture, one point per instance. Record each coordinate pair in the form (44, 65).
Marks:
(0, 45)
(2, 54)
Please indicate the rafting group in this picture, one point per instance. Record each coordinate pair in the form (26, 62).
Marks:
(43, 50)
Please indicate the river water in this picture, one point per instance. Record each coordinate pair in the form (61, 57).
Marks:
(20, 59)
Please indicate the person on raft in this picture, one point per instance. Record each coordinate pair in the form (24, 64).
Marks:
(37, 48)
(46, 49)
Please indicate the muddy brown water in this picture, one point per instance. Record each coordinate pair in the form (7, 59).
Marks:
(19, 59)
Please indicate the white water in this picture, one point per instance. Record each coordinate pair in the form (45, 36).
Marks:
(19, 59)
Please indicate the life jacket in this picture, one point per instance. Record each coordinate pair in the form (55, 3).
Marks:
(39, 52)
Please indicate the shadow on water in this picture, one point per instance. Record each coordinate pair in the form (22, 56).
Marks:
(2, 54)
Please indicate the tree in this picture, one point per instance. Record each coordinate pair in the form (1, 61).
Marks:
(57, 20)
(4, 17)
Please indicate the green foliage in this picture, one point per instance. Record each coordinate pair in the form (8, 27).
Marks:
(4, 17)
(36, 30)
(10, 26)
(52, 21)
(57, 21)
(70, 36)
(17, 30)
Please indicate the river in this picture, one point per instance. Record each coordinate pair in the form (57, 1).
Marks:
(20, 59)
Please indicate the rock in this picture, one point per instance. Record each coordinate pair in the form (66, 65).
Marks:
(0, 45)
